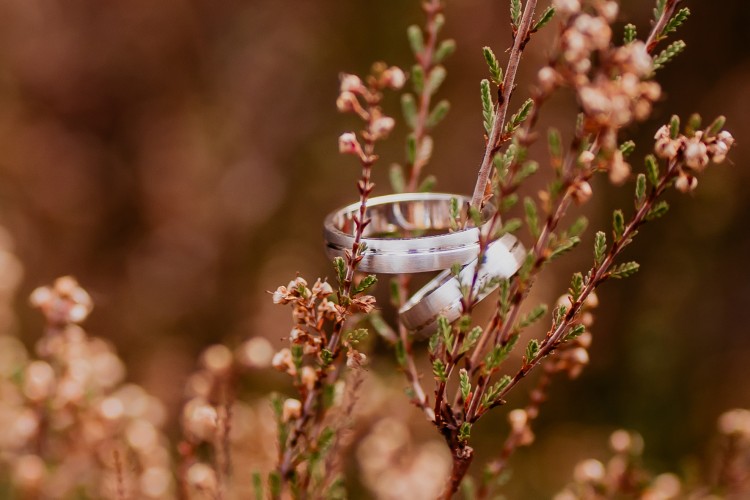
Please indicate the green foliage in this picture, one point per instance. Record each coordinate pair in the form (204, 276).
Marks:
(356, 336)
(544, 19)
(507, 202)
(576, 286)
(503, 297)
(340, 266)
(558, 315)
(409, 110)
(640, 190)
(468, 488)
(438, 113)
(470, 339)
(515, 12)
(528, 169)
(694, 123)
(297, 353)
(496, 72)
(624, 270)
(659, 9)
(716, 126)
(532, 349)
(674, 127)
(436, 79)
(455, 213)
(445, 49)
(630, 33)
(464, 383)
(396, 176)
(258, 486)
(365, 283)
(326, 357)
(492, 393)
(274, 484)
(520, 116)
(652, 170)
(416, 39)
(499, 353)
(445, 332)
(427, 184)
(666, 55)
(464, 431)
(476, 216)
(578, 227)
(395, 293)
(555, 143)
(433, 343)
(532, 217)
(438, 369)
(574, 332)
(400, 349)
(488, 109)
(600, 247)
(564, 247)
(533, 316)
(411, 149)
(658, 210)
(627, 148)
(417, 78)
(510, 226)
(618, 224)
(676, 21)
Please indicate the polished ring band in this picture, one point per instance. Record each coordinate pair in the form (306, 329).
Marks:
(442, 296)
(392, 215)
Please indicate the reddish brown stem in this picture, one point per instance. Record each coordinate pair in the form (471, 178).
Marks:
(501, 108)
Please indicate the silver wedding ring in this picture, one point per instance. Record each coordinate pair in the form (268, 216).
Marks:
(418, 214)
(442, 296)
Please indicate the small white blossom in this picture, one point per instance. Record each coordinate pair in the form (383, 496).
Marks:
(351, 83)
(291, 410)
(348, 144)
(394, 78)
(696, 154)
(686, 183)
(566, 7)
(382, 126)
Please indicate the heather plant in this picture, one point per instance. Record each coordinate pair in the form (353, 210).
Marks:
(75, 428)
(614, 86)
(71, 426)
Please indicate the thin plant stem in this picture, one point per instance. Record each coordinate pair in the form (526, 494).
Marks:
(501, 108)
(654, 37)
(425, 60)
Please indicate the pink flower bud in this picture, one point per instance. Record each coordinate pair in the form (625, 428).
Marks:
(686, 183)
(394, 78)
(548, 79)
(696, 154)
(382, 126)
(566, 7)
(291, 410)
(351, 83)
(581, 192)
(346, 102)
(348, 144)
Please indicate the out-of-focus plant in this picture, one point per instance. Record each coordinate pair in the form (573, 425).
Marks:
(614, 87)
(74, 428)
(625, 475)
(70, 426)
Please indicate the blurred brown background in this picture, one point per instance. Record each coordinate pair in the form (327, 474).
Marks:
(178, 158)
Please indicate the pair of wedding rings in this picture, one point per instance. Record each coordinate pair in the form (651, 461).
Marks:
(429, 245)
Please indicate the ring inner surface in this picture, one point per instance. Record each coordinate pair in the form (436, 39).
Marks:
(416, 217)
